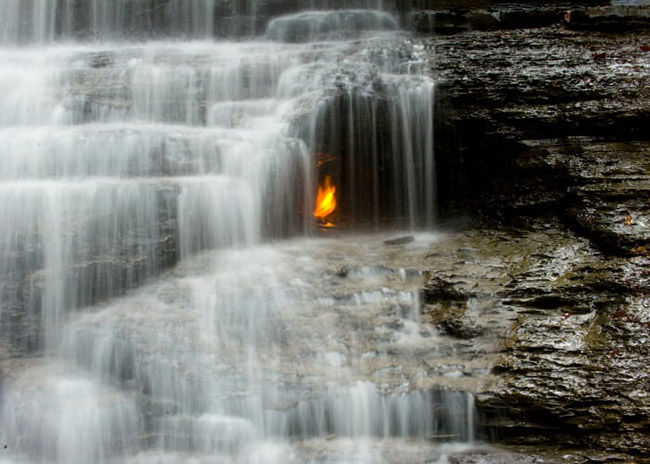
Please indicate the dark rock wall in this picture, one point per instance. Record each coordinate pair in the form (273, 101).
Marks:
(546, 116)
(546, 119)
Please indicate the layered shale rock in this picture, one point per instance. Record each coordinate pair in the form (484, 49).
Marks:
(564, 328)
(562, 114)
(547, 119)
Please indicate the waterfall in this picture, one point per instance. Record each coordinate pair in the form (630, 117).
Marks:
(42, 21)
(151, 179)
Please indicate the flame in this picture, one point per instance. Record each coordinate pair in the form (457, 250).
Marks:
(326, 199)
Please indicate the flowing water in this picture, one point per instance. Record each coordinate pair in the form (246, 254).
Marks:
(161, 298)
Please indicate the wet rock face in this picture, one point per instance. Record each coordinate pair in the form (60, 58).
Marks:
(438, 289)
(609, 201)
(581, 378)
(589, 369)
(561, 113)
(621, 16)
(568, 328)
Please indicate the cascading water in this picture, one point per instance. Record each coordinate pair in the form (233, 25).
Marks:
(120, 159)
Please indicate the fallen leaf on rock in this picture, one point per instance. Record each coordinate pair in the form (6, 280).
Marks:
(628, 220)
(645, 48)
(640, 250)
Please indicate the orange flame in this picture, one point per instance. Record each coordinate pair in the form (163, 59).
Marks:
(326, 199)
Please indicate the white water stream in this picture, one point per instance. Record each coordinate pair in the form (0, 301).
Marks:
(120, 159)
(290, 352)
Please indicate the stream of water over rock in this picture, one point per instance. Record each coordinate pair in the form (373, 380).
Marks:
(161, 299)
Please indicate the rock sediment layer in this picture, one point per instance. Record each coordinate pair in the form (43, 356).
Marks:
(548, 119)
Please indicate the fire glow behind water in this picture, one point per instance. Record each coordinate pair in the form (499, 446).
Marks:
(325, 200)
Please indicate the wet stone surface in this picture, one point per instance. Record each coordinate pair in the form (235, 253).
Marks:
(563, 117)
(569, 328)
(562, 113)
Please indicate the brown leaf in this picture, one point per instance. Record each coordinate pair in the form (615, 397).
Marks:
(628, 220)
